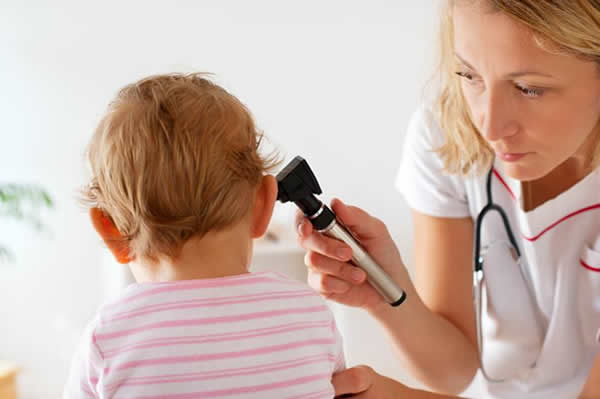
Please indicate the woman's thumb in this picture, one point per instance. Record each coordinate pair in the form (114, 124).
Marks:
(353, 381)
(360, 223)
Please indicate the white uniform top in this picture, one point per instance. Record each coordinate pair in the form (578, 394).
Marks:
(557, 327)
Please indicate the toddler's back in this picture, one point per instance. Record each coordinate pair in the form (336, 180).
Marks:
(258, 335)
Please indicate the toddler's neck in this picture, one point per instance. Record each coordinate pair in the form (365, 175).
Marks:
(217, 254)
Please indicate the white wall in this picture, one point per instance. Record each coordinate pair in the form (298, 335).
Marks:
(334, 81)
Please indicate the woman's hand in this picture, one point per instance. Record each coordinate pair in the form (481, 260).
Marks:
(362, 382)
(327, 258)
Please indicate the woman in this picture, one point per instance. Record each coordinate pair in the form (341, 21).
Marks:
(520, 103)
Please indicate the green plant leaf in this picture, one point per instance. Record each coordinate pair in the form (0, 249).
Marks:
(6, 255)
(23, 203)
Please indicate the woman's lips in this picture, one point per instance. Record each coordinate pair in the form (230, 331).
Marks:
(511, 156)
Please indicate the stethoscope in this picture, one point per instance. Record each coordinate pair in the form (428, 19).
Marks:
(478, 266)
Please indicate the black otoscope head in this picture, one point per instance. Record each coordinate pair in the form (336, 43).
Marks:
(297, 183)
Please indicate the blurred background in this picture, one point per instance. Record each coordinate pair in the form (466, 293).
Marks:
(334, 81)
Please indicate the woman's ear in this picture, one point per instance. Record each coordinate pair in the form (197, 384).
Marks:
(111, 236)
(264, 202)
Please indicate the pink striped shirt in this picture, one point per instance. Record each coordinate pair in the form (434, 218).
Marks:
(258, 335)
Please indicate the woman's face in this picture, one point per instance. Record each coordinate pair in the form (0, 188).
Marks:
(537, 110)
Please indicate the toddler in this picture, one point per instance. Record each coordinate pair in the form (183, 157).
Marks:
(179, 192)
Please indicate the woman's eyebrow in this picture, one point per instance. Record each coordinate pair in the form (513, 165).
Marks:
(511, 75)
(461, 59)
(529, 73)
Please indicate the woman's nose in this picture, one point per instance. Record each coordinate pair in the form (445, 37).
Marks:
(497, 118)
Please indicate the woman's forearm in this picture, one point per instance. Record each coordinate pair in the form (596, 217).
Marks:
(433, 349)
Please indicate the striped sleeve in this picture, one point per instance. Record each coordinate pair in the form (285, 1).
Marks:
(85, 368)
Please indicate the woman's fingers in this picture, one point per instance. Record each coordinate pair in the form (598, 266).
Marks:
(302, 224)
(311, 240)
(326, 265)
(327, 285)
(353, 381)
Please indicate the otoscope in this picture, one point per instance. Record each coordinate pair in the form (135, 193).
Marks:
(297, 183)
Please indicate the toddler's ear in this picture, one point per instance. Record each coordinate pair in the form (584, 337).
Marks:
(266, 195)
(111, 236)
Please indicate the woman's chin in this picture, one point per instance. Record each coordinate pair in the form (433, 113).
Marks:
(524, 171)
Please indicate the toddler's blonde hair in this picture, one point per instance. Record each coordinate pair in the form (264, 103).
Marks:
(175, 156)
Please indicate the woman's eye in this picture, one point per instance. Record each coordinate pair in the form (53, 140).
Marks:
(530, 92)
(465, 75)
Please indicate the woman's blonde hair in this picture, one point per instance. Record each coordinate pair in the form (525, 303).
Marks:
(175, 156)
(559, 26)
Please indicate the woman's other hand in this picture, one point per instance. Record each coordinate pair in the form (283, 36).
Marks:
(362, 382)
